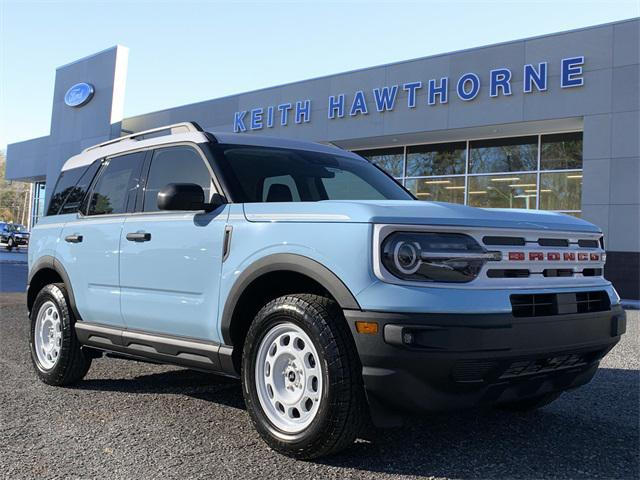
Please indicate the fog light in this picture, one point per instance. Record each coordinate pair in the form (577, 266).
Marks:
(368, 328)
(407, 338)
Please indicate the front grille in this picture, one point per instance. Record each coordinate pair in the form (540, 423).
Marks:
(548, 304)
(508, 273)
(514, 241)
(468, 371)
(558, 272)
(505, 241)
(591, 272)
(553, 242)
(491, 370)
(588, 243)
(543, 365)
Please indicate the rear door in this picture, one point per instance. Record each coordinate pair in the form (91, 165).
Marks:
(90, 242)
(171, 261)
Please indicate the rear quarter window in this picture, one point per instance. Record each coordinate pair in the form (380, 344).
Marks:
(71, 189)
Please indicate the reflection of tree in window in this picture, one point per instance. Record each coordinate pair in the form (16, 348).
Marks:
(504, 155)
(389, 159)
(561, 151)
(110, 194)
(436, 159)
(100, 204)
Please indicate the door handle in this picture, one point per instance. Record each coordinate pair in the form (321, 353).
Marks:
(138, 236)
(73, 238)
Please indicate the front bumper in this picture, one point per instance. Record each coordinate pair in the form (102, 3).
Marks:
(434, 362)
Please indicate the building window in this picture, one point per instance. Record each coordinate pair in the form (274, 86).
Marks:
(561, 191)
(561, 151)
(436, 159)
(391, 160)
(503, 191)
(38, 201)
(532, 172)
(440, 189)
(516, 154)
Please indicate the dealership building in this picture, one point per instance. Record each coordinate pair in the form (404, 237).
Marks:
(549, 122)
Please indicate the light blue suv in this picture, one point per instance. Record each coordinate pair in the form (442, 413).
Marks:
(313, 276)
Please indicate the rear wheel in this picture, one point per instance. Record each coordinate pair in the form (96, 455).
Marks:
(55, 350)
(529, 404)
(301, 377)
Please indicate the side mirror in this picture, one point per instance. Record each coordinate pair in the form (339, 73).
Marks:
(186, 197)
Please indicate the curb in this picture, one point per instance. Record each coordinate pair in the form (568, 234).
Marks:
(630, 304)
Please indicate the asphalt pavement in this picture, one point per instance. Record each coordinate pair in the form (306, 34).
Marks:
(136, 420)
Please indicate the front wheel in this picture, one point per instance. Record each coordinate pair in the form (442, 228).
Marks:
(10, 244)
(301, 377)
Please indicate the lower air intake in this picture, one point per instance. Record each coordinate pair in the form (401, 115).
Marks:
(548, 304)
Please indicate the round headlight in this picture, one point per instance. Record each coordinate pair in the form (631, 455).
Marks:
(406, 256)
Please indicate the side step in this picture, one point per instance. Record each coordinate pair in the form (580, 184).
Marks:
(186, 352)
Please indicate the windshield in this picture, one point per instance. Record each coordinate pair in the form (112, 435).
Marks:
(19, 228)
(265, 174)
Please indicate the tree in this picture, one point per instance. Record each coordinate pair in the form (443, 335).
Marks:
(14, 197)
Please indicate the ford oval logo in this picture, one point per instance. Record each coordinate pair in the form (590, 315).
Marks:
(79, 94)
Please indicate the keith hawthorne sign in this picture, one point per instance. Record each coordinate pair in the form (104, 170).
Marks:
(431, 93)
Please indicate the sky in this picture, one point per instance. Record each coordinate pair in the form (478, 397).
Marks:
(187, 51)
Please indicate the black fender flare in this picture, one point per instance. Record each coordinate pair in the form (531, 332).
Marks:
(284, 262)
(49, 262)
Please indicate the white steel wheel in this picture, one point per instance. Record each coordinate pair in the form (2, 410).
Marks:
(288, 376)
(48, 335)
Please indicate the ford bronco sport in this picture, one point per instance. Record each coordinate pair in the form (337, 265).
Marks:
(313, 276)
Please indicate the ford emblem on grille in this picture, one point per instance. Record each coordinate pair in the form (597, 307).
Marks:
(79, 94)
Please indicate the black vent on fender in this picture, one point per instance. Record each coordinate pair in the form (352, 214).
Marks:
(548, 304)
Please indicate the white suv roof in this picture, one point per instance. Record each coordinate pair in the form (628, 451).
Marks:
(187, 132)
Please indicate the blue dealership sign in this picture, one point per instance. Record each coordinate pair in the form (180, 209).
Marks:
(430, 93)
(79, 94)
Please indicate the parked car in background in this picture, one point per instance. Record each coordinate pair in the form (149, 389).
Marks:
(14, 235)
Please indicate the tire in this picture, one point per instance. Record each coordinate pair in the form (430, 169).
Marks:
(530, 404)
(334, 418)
(10, 244)
(57, 358)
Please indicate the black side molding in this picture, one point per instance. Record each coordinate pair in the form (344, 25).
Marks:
(167, 349)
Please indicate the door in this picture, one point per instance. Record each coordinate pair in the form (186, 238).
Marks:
(89, 248)
(171, 261)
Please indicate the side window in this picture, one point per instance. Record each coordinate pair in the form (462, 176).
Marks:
(116, 185)
(175, 165)
(284, 184)
(76, 194)
(65, 184)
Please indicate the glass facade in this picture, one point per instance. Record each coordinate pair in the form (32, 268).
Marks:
(532, 172)
(391, 160)
(37, 202)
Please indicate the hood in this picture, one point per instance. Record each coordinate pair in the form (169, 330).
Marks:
(413, 212)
